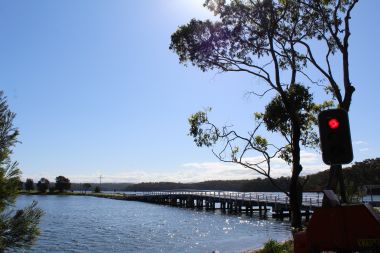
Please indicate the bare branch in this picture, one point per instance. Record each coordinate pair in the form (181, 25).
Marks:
(311, 80)
(329, 77)
(259, 94)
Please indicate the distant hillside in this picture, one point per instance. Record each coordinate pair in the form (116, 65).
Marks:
(226, 185)
(105, 186)
(234, 185)
(361, 173)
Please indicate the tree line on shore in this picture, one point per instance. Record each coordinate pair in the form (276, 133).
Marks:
(61, 184)
(43, 185)
(359, 174)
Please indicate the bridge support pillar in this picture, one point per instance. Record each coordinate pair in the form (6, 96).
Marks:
(260, 210)
(307, 214)
(265, 210)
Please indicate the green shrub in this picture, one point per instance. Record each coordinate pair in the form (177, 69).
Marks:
(97, 189)
(273, 246)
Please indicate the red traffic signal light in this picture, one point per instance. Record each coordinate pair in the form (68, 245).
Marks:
(333, 123)
(335, 137)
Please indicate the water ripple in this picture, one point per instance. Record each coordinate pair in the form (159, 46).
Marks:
(86, 224)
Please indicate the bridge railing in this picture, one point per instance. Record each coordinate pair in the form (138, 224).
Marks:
(314, 199)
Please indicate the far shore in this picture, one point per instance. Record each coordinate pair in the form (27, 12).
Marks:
(117, 196)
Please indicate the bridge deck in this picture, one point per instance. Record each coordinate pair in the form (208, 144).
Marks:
(236, 202)
(269, 198)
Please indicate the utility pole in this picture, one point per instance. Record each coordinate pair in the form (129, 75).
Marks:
(100, 182)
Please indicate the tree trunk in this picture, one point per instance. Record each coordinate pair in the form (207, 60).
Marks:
(295, 190)
(342, 186)
(295, 200)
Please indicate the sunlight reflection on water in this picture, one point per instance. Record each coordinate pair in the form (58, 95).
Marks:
(88, 224)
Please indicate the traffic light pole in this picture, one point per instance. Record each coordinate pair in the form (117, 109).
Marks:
(335, 177)
(336, 146)
(342, 185)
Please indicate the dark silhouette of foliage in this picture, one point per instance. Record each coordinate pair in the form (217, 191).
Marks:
(246, 33)
(359, 174)
(105, 186)
(97, 189)
(29, 184)
(51, 189)
(62, 183)
(86, 187)
(43, 185)
(18, 228)
(330, 24)
(20, 186)
(268, 40)
(254, 185)
(273, 246)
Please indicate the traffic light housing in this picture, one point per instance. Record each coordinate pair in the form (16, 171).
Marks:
(335, 137)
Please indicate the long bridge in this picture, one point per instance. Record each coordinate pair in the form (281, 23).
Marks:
(232, 202)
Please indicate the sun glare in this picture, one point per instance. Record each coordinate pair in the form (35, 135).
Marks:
(193, 7)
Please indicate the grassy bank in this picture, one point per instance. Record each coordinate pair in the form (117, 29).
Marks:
(273, 246)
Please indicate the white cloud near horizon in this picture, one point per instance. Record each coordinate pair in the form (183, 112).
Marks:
(311, 163)
(201, 171)
(362, 146)
(360, 142)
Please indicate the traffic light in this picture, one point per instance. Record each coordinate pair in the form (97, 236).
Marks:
(335, 137)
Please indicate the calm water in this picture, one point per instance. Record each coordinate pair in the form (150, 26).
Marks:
(88, 224)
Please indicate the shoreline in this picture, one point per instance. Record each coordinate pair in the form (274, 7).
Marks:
(115, 196)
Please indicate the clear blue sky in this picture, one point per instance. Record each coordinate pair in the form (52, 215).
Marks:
(97, 91)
